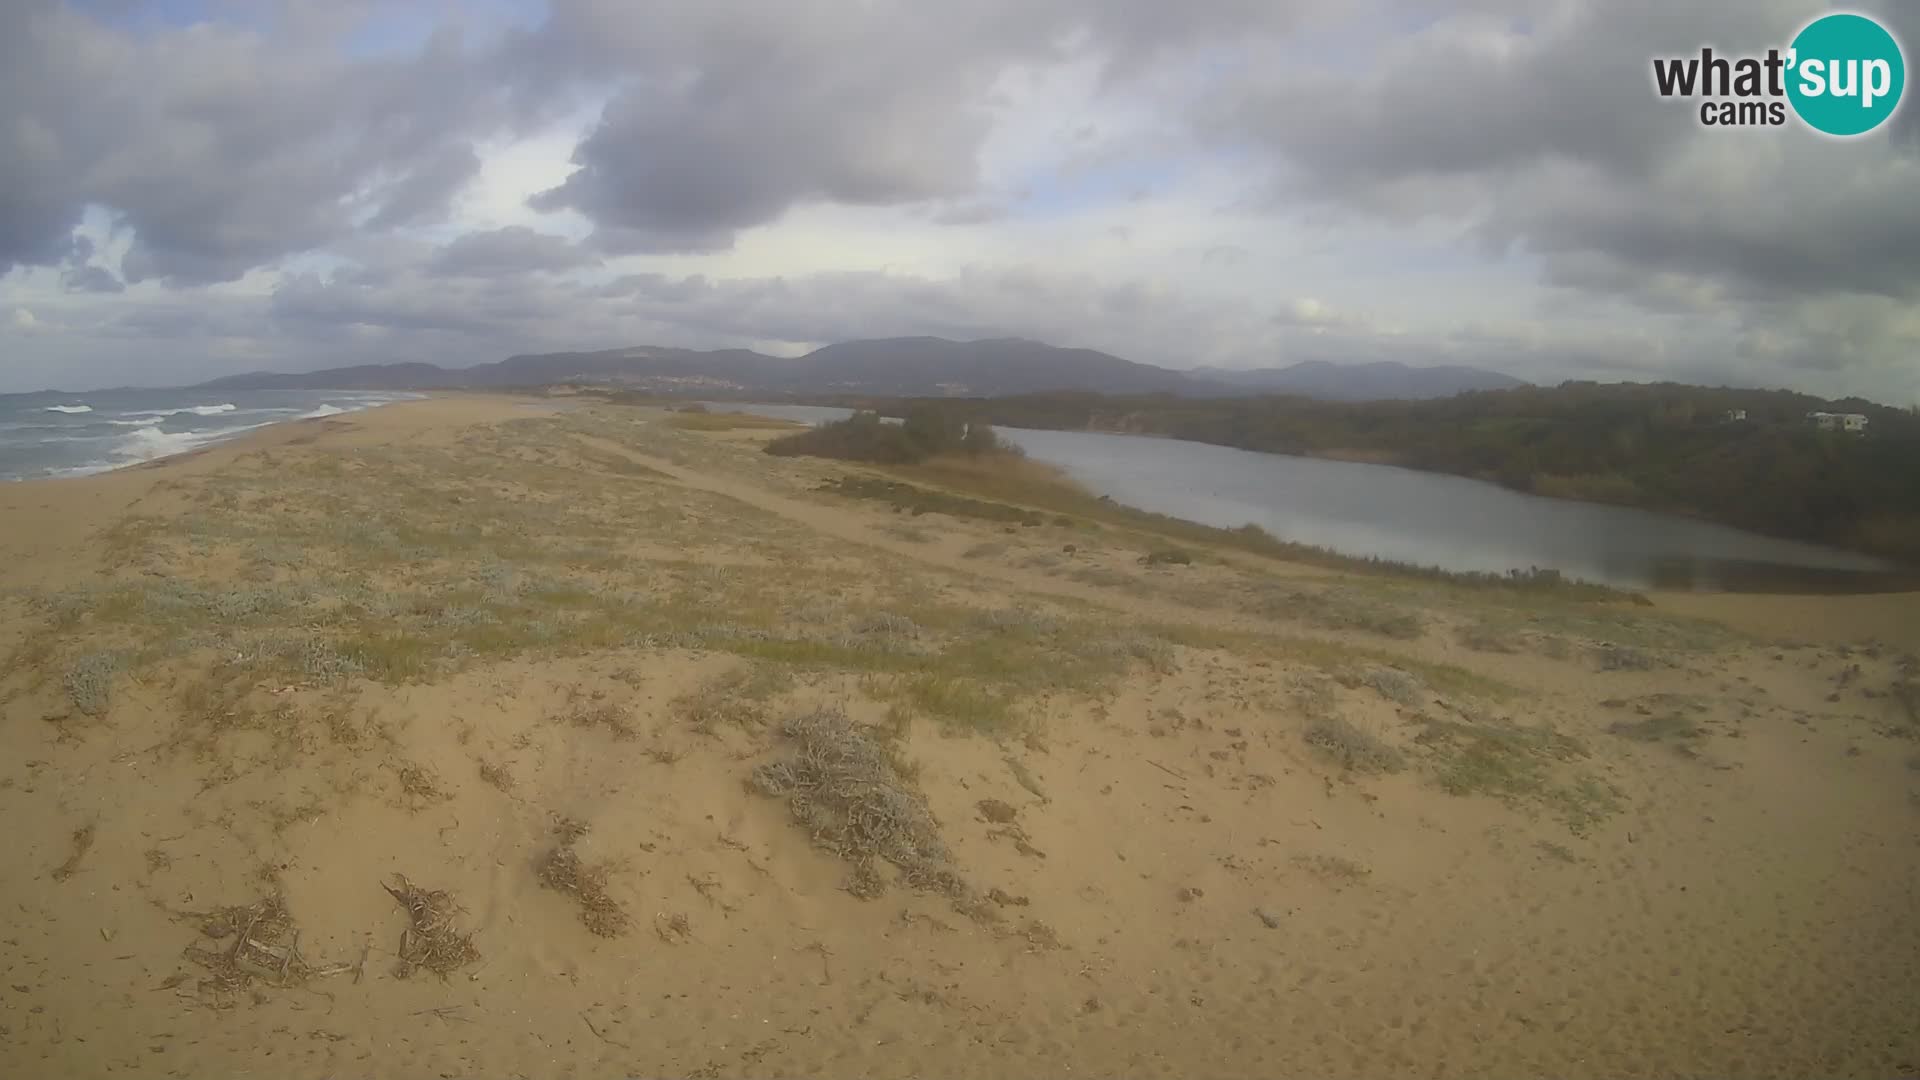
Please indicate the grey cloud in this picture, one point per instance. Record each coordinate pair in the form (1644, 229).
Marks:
(423, 194)
(477, 307)
(221, 149)
(734, 112)
(1552, 145)
(78, 275)
(225, 149)
(751, 116)
(512, 250)
(972, 212)
(93, 279)
(1477, 97)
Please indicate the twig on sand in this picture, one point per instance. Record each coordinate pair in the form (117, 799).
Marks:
(597, 1033)
(1175, 773)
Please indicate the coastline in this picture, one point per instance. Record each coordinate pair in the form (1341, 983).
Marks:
(548, 662)
(64, 511)
(135, 432)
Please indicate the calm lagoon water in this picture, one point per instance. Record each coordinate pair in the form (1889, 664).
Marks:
(1424, 518)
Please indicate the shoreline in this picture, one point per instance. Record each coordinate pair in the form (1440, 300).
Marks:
(212, 438)
(540, 694)
(1711, 575)
(68, 510)
(293, 430)
(1388, 459)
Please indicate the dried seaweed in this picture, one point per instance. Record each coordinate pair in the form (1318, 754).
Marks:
(563, 871)
(841, 786)
(430, 942)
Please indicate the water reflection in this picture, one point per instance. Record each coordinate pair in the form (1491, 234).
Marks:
(1431, 519)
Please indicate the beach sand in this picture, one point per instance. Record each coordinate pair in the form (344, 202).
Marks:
(580, 670)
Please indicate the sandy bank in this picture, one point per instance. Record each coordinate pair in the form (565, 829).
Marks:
(579, 673)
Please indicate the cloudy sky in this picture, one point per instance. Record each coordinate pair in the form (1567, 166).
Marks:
(191, 188)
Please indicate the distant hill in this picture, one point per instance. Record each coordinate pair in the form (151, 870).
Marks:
(1385, 380)
(911, 366)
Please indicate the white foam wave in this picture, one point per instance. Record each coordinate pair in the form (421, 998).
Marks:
(70, 409)
(148, 444)
(88, 469)
(197, 410)
(150, 421)
(324, 410)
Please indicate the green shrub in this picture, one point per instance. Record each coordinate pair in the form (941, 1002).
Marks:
(927, 432)
(89, 682)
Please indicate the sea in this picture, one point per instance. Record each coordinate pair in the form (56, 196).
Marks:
(45, 435)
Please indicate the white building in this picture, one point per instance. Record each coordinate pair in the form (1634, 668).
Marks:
(1829, 421)
(1734, 416)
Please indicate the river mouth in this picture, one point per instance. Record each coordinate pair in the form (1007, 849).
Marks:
(1432, 520)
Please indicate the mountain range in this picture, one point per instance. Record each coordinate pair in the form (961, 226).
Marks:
(902, 367)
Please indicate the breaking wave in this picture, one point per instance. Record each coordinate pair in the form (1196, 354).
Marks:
(197, 410)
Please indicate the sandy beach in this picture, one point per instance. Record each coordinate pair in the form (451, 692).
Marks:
(544, 737)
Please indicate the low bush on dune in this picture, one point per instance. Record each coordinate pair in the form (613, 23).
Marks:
(864, 436)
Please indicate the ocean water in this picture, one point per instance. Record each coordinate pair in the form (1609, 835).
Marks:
(54, 435)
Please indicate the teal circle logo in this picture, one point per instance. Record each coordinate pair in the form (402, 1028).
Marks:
(1846, 74)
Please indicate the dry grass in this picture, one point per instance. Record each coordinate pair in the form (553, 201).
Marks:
(729, 421)
(563, 871)
(1334, 609)
(736, 698)
(1395, 685)
(497, 775)
(1336, 739)
(1623, 658)
(842, 786)
(1674, 728)
(1488, 636)
(418, 785)
(1906, 693)
(1167, 556)
(609, 715)
(1518, 765)
(1336, 869)
(430, 942)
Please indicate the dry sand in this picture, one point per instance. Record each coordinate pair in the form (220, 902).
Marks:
(1236, 818)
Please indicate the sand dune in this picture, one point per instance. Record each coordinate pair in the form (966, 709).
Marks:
(719, 774)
